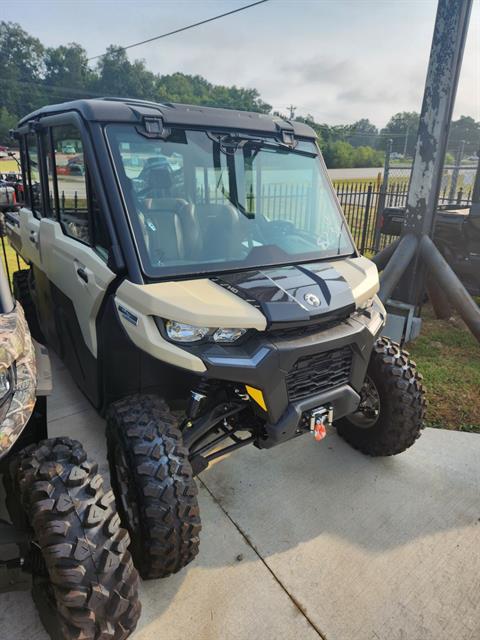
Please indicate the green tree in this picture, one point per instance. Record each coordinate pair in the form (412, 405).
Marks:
(402, 128)
(362, 133)
(465, 128)
(67, 73)
(7, 121)
(117, 76)
(21, 64)
(338, 154)
(367, 157)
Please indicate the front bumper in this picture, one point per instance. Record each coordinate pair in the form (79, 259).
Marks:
(265, 360)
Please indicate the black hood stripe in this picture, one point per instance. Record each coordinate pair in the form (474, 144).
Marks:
(282, 293)
(320, 281)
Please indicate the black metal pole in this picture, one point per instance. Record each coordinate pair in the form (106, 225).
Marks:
(6, 300)
(397, 265)
(382, 196)
(381, 259)
(456, 293)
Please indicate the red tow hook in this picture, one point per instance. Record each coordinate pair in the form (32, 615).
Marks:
(320, 419)
(319, 430)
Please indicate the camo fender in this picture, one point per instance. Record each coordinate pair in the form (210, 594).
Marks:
(17, 355)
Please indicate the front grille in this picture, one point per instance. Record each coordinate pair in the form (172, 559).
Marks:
(319, 372)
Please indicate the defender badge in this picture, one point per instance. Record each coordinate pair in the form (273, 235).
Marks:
(312, 299)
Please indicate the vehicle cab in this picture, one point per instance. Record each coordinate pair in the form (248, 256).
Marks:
(172, 243)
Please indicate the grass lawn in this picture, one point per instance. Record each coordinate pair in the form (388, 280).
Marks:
(448, 356)
(8, 165)
(11, 258)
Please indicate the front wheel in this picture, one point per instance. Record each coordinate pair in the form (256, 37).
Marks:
(391, 413)
(153, 484)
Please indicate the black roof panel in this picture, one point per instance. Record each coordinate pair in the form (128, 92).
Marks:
(126, 110)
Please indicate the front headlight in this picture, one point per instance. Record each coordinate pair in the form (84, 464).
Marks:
(182, 332)
(228, 335)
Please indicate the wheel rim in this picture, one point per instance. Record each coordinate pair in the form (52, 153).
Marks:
(368, 412)
(126, 492)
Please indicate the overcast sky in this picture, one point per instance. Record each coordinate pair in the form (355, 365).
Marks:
(340, 60)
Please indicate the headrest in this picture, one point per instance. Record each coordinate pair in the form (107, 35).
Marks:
(159, 178)
(164, 204)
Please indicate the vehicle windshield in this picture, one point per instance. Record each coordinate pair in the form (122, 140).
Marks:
(200, 202)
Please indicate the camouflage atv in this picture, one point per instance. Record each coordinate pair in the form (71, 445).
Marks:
(71, 552)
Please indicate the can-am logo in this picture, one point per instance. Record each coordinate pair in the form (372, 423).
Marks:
(312, 299)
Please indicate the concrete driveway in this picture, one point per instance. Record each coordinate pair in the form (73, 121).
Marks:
(311, 540)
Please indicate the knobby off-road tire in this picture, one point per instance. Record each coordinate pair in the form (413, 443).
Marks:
(153, 484)
(402, 404)
(84, 582)
(21, 292)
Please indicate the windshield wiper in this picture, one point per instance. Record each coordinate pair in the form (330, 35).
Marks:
(230, 143)
(279, 146)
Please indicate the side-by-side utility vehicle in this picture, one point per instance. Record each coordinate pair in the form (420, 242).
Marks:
(60, 533)
(200, 281)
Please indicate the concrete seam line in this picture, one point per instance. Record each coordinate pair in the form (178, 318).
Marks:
(292, 598)
(69, 415)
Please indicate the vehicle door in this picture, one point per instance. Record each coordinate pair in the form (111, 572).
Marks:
(31, 213)
(74, 248)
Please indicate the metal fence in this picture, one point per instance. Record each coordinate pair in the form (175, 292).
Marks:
(363, 204)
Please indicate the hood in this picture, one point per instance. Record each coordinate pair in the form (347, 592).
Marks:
(294, 293)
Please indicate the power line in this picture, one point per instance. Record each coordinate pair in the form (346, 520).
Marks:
(60, 89)
(190, 26)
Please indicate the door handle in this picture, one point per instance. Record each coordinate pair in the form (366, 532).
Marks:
(82, 274)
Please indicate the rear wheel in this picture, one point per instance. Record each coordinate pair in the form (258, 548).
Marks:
(21, 292)
(84, 582)
(153, 483)
(392, 406)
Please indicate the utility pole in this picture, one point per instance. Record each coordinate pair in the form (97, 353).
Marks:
(405, 146)
(455, 172)
(292, 112)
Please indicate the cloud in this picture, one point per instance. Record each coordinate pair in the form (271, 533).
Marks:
(320, 69)
(367, 95)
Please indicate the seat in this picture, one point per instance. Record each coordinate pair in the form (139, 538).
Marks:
(222, 230)
(171, 229)
(157, 181)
